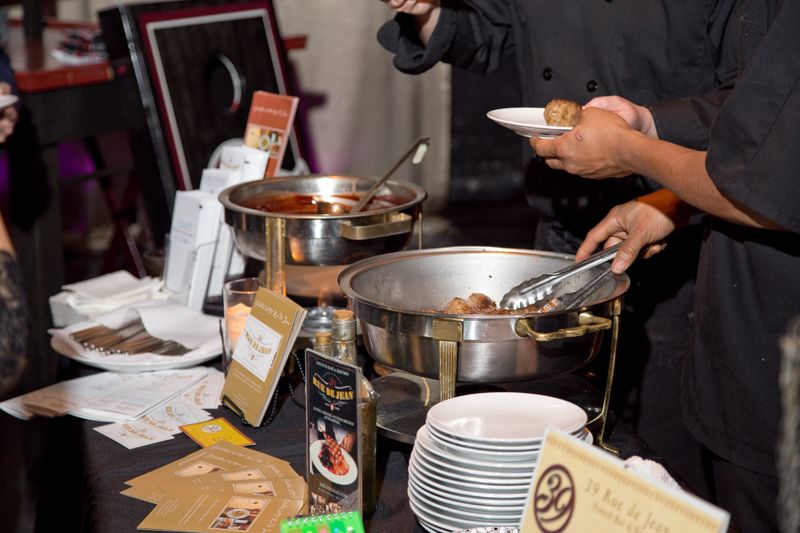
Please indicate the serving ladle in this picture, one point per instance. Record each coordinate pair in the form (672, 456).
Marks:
(418, 150)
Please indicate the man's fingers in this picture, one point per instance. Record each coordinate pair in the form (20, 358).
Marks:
(544, 147)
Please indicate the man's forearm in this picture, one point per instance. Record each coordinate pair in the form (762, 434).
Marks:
(683, 171)
(426, 23)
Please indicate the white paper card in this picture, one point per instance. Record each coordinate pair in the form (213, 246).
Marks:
(257, 347)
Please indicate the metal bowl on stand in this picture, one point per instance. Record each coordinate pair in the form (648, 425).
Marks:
(322, 238)
(395, 297)
(299, 221)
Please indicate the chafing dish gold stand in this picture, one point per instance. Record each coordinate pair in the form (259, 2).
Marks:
(275, 262)
(400, 414)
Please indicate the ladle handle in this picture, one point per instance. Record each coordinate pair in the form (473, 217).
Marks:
(367, 197)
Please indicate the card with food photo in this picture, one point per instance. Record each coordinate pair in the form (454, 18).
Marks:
(332, 429)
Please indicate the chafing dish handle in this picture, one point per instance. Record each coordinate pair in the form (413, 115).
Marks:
(588, 323)
(396, 224)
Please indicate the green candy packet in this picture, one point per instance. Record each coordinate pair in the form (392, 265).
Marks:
(349, 522)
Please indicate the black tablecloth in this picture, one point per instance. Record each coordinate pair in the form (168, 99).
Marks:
(107, 465)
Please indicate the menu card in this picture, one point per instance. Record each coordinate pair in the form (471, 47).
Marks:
(577, 487)
(223, 487)
(268, 126)
(260, 354)
(333, 435)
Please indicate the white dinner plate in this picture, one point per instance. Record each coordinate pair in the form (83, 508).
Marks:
(346, 479)
(431, 508)
(461, 480)
(432, 523)
(427, 496)
(515, 418)
(526, 121)
(466, 489)
(504, 456)
(478, 446)
(131, 364)
(7, 100)
(444, 466)
(477, 462)
(447, 495)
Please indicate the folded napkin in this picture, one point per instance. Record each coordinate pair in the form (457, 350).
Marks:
(163, 319)
(110, 291)
(651, 469)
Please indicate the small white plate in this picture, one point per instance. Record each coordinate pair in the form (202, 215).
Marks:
(346, 479)
(446, 467)
(490, 464)
(477, 446)
(472, 478)
(501, 486)
(449, 494)
(426, 495)
(505, 417)
(526, 121)
(7, 100)
(503, 456)
(432, 508)
(131, 364)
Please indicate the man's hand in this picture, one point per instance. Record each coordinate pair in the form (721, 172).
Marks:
(642, 223)
(8, 115)
(412, 7)
(590, 149)
(639, 117)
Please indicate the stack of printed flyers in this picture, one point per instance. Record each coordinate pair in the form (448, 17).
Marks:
(222, 487)
(143, 408)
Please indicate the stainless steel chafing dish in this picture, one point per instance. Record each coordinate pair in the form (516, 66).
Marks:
(323, 239)
(394, 296)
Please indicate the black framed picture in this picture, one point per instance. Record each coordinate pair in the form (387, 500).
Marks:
(205, 62)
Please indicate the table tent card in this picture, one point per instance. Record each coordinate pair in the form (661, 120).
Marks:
(577, 488)
(268, 126)
(260, 354)
(333, 435)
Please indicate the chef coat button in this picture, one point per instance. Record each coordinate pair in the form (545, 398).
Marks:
(547, 74)
(591, 86)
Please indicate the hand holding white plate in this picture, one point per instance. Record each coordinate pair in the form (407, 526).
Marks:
(526, 121)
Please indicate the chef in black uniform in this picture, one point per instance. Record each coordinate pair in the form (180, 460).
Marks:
(660, 53)
(748, 283)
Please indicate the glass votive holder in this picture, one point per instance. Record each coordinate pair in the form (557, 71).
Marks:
(238, 296)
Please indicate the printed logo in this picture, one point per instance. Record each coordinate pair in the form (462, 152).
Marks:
(554, 499)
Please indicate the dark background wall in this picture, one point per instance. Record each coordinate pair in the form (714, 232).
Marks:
(486, 159)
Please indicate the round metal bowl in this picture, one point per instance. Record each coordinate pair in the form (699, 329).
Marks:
(394, 297)
(323, 239)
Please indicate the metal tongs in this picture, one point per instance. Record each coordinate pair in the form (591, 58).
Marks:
(536, 289)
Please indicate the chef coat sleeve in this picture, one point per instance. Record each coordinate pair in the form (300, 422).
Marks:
(686, 121)
(474, 36)
(753, 155)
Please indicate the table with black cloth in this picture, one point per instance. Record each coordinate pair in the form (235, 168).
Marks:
(107, 465)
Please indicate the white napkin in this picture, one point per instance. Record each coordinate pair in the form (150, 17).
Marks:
(651, 469)
(110, 291)
(163, 319)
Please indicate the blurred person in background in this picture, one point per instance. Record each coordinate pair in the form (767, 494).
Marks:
(678, 58)
(748, 281)
(13, 316)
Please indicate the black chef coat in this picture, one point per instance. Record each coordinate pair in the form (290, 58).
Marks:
(644, 50)
(749, 279)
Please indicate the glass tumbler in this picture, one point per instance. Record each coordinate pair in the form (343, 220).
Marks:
(238, 296)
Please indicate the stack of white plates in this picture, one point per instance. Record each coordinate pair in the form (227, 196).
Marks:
(473, 460)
